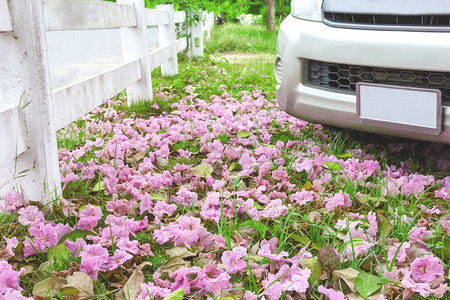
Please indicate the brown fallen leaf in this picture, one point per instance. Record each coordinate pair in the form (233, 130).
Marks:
(181, 252)
(174, 264)
(132, 288)
(345, 280)
(329, 259)
(82, 282)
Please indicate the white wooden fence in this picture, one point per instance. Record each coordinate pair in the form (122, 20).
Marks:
(32, 110)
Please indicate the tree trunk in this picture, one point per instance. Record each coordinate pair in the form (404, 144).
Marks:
(270, 15)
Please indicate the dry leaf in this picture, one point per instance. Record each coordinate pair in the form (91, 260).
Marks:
(346, 279)
(49, 286)
(328, 258)
(203, 169)
(174, 264)
(132, 288)
(82, 282)
(181, 252)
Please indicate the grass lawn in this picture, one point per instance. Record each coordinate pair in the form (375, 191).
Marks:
(212, 192)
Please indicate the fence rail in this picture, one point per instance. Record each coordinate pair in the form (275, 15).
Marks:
(32, 110)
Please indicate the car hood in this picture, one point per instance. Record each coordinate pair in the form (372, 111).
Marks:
(395, 7)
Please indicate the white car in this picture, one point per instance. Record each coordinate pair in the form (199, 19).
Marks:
(379, 66)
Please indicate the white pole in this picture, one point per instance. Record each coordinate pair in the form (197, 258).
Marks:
(26, 85)
(135, 46)
(195, 45)
(167, 37)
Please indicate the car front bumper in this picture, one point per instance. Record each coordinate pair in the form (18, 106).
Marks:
(300, 41)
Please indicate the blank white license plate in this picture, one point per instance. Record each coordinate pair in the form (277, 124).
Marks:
(402, 108)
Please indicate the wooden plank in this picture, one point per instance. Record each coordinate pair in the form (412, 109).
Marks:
(156, 17)
(13, 142)
(79, 15)
(76, 100)
(159, 56)
(179, 16)
(5, 18)
(181, 44)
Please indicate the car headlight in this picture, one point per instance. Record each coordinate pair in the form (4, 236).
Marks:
(307, 9)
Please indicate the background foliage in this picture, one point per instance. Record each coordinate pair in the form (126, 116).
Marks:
(229, 9)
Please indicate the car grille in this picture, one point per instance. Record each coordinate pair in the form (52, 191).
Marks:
(385, 21)
(344, 77)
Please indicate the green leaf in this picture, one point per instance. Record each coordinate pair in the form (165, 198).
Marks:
(157, 197)
(99, 186)
(18, 249)
(344, 155)
(307, 186)
(440, 245)
(228, 297)
(69, 290)
(367, 284)
(304, 240)
(76, 234)
(255, 257)
(203, 169)
(232, 166)
(58, 253)
(243, 134)
(315, 267)
(373, 201)
(334, 166)
(257, 205)
(177, 295)
(236, 181)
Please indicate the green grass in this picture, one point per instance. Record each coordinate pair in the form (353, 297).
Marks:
(218, 73)
(242, 38)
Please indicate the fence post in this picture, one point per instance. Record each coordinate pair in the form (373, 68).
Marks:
(5, 19)
(195, 36)
(135, 46)
(167, 37)
(26, 86)
(208, 25)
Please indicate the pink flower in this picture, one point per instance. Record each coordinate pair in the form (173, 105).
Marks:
(330, 293)
(418, 235)
(162, 208)
(94, 258)
(215, 280)
(279, 174)
(426, 268)
(119, 258)
(274, 209)
(150, 291)
(303, 197)
(233, 260)
(30, 215)
(399, 254)
(10, 202)
(89, 217)
(445, 224)
(339, 200)
(75, 247)
(293, 279)
(45, 236)
(185, 197)
(9, 278)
